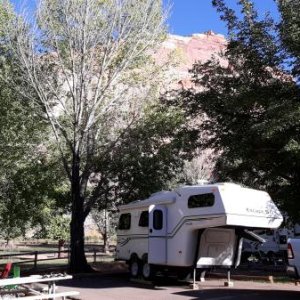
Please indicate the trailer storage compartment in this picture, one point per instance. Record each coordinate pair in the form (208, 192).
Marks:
(217, 247)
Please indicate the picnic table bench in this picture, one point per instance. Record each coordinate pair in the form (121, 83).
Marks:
(24, 286)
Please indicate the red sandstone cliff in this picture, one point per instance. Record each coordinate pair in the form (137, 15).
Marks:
(185, 51)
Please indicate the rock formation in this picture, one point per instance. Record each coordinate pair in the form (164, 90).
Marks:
(180, 53)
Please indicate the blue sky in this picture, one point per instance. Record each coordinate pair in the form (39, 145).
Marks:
(195, 16)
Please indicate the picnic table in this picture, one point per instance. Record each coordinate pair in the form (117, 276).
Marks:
(23, 287)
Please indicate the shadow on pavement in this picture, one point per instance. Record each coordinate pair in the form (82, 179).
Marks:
(172, 288)
(239, 294)
(119, 280)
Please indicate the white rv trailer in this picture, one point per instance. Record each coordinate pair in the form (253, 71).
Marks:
(192, 227)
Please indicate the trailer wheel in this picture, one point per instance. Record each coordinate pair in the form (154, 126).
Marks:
(148, 271)
(134, 267)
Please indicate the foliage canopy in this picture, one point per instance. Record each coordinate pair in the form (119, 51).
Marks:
(87, 68)
(251, 103)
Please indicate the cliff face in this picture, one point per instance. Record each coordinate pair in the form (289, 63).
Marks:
(180, 53)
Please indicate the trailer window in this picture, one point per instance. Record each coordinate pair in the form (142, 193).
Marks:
(144, 219)
(203, 200)
(124, 222)
(157, 219)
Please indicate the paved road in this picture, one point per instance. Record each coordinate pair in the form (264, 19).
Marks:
(119, 287)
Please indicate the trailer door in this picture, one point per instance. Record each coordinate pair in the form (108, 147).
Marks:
(157, 249)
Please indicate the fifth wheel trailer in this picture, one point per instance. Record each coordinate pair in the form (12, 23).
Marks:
(192, 227)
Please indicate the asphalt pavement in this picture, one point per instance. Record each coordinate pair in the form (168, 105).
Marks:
(119, 286)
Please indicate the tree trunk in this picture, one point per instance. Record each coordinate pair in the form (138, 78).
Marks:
(78, 261)
(105, 243)
(61, 243)
(105, 235)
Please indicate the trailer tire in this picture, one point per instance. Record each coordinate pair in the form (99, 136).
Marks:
(134, 267)
(148, 271)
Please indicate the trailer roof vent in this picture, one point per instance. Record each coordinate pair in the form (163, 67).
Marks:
(203, 182)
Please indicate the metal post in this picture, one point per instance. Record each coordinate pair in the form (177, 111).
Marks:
(194, 276)
(228, 283)
(194, 286)
(35, 259)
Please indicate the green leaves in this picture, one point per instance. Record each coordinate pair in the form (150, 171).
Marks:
(58, 227)
(289, 28)
(252, 104)
(27, 180)
(147, 156)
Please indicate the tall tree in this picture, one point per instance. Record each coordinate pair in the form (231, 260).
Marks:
(83, 66)
(251, 102)
(26, 182)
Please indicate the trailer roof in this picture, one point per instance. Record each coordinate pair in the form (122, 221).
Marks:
(163, 197)
(168, 197)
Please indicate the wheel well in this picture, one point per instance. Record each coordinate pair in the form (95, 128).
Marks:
(145, 257)
(133, 256)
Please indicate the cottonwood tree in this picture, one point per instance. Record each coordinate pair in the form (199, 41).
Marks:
(26, 180)
(84, 65)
